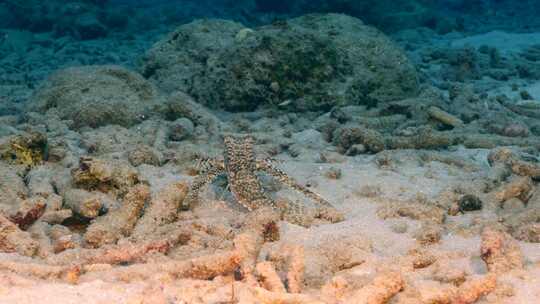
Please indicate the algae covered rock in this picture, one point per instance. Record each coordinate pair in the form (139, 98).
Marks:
(27, 148)
(94, 96)
(347, 137)
(312, 62)
(108, 176)
(175, 61)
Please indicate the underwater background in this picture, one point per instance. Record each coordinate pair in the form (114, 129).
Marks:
(257, 151)
(40, 37)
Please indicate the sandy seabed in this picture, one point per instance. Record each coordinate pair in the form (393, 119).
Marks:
(397, 244)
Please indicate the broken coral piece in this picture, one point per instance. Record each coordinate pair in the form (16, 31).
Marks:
(182, 105)
(444, 117)
(201, 268)
(54, 214)
(12, 186)
(162, 210)
(13, 239)
(29, 211)
(517, 162)
(110, 254)
(39, 232)
(39, 181)
(473, 289)
(269, 278)
(296, 268)
(118, 223)
(87, 204)
(68, 274)
(383, 287)
(500, 251)
(104, 175)
(63, 238)
(520, 187)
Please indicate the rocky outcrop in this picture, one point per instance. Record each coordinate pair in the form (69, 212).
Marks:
(309, 63)
(94, 96)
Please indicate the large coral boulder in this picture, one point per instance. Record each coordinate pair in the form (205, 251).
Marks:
(95, 96)
(183, 57)
(312, 62)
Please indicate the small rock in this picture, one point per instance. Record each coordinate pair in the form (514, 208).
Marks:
(448, 271)
(444, 117)
(535, 130)
(243, 34)
(346, 137)
(514, 204)
(333, 173)
(294, 151)
(525, 95)
(309, 138)
(429, 233)
(330, 157)
(528, 233)
(356, 150)
(399, 227)
(469, 202)
(340, 115)
(515, 130)
(56, 154)
(143, 155)
(181, 129)
(422, 258)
